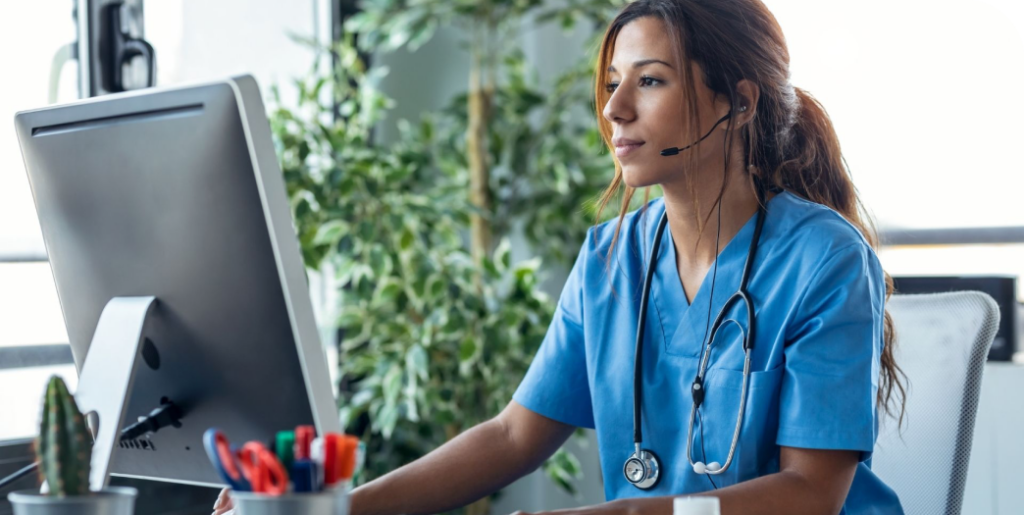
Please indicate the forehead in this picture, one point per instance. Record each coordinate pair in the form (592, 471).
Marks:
(643, 38)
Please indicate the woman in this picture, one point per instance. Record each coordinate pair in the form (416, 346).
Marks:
(762, 172)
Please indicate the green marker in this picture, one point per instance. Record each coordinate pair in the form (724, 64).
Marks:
(285, 448)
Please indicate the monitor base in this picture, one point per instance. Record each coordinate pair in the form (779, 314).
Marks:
(107, 374)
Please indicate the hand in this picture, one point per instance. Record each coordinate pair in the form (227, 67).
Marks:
(223, 506)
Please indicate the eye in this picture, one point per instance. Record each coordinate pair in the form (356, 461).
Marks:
(649, 81)
(644, 81)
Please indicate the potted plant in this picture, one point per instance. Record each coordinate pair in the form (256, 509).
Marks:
(64, 453)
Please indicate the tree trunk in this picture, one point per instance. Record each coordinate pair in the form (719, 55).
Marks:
(481, 93)
(480, 97)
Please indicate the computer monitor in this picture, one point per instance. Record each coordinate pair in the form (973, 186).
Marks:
(177, 194)
(1002, 288)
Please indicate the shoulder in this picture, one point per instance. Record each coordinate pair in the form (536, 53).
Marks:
(815, 231)
(593, 277)
(819, 249)
(601, 267)
(629, 237)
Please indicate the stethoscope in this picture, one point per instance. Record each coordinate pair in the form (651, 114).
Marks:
(643, 468)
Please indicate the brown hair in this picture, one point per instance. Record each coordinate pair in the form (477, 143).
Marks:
(790, 141)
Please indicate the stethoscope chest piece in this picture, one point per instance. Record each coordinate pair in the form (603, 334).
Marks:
(642, 469)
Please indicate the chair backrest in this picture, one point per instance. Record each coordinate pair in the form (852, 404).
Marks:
(942, 341)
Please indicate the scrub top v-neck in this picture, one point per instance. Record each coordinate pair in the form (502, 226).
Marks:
(818, 291)
(677, 316)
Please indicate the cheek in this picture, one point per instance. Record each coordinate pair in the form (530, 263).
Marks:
(665, 118)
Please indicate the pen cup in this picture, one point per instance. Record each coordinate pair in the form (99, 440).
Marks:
(327, 502)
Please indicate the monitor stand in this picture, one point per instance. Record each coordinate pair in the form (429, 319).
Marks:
(107, 375)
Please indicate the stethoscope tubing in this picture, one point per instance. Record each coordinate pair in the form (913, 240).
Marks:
(705, 357)
(638, 367)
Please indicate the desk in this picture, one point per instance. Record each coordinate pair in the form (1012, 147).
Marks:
(995, 478)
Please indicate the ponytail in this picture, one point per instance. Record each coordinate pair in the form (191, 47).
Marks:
(813, 167)
(812, 164)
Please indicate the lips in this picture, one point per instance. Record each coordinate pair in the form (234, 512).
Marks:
(620, 141)
(625, 146)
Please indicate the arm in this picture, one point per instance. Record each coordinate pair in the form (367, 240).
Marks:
(811, 482)
(481, 460)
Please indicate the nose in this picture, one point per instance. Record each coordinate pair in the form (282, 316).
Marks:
(619, 108)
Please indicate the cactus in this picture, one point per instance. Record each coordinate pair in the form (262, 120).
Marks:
(64, 445)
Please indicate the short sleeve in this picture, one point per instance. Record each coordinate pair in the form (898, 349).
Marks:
(556, 384)
(833, 350)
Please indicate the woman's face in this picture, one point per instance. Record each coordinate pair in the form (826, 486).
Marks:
(648, 107)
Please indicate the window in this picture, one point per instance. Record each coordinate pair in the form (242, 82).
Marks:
(21, 394)
(193, 42)
(31, 34)
(921, 92)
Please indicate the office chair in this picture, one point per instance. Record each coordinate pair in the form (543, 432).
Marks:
(942, 341)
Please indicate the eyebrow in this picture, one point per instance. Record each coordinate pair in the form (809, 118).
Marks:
(643, 62)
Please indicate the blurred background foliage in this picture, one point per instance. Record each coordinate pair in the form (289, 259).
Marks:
(438, 324)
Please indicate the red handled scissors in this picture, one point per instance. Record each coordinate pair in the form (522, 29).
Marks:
(253, 468)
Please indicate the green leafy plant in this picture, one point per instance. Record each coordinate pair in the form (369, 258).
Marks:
(439, 325)
(531, 151)
(434, 341)
(64, 445)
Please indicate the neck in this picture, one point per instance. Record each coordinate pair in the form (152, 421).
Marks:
(687, 211)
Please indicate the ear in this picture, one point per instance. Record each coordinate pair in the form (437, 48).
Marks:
(747, 95)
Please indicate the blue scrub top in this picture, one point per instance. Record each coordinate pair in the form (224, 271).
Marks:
(818, 293)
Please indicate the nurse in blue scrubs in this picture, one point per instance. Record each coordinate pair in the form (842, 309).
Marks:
(693, 96)
(759, 213)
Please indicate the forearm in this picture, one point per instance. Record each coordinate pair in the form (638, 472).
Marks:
(782, 493)
(474, 464)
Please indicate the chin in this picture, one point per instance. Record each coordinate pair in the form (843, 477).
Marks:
(636, 176)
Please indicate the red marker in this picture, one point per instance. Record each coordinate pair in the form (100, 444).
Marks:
(304, 436)
(332, 454)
